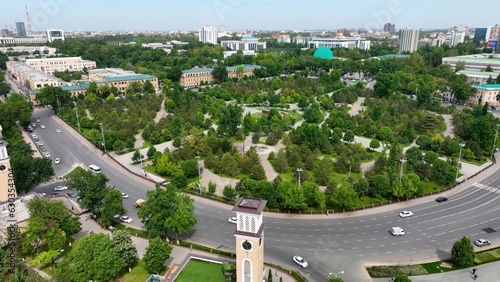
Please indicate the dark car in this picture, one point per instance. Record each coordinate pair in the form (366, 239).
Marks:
(441, 199)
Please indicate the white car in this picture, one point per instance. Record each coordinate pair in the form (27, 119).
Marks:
(57, 161)
(233, 220)
(125, 218)
(40, 143)
(60, 188)
(37, 120)
(300, 261)
(42, 126)
(47, 155)
(405, 214)
(58, 130)
(125, 196)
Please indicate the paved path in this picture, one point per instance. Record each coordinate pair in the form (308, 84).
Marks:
(449, 126)
(356, 107)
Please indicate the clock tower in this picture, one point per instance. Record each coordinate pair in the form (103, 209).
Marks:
(7, 188)
(249, 239)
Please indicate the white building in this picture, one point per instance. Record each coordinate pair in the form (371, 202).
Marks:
(244, 53)
(246, 43)
(49, 65)
(476, 62)
(341, 42)
(29, 49)
(457, 37)
(22, 40)
(408, 40)
(208, 34)
(53, 34)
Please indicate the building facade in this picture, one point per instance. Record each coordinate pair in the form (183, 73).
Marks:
(486, 93)
(282, 37)
(493, 32)
(246, 43)
(53, 34)
(22, 40)
(341, 42)
(49, 65)
(7, 185)
(408, 40)
(21, 29)
(388, 27)
(478, 77)
(31, 78)
(30, 49)
(122, 82)
(476, 62)
(194, 77)
(480, 33)
(457, 37)
(249, 236)
(208, 34)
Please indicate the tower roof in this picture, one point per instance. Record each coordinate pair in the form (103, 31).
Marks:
(250, 205)
(323, 53)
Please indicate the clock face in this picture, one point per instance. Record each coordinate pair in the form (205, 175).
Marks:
(247, 245)
(2, 167)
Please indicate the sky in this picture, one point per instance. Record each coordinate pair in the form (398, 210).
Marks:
(125, 15)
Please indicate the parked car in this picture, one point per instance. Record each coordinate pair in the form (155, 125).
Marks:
(42, 126)
(60, 188)
(57, 161)
(233, 219)
(125, 219)
(47, 155)
(441, 199)
(125, 196)
(405, 214)
(482, 242)
(58, 130)
(300, 261)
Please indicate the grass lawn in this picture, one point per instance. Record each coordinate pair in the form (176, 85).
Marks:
(197, 270)
(138, 273)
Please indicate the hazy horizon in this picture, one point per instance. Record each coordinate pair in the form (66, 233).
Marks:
(155, 15)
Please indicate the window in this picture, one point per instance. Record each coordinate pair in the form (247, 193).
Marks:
(253, 225)
(240, 222)
(247, 224)
(247, 271)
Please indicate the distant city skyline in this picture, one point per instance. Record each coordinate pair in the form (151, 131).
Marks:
(128, 15)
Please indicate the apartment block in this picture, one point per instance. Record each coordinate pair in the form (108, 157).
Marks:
(192, 78)
(50, 65)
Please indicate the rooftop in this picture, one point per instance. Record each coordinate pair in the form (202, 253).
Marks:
(484, 73)
(489, 86)
(195, 70)
(128, 77)
(250, 205)
(55, 59)
(32, 73)
(479, 58)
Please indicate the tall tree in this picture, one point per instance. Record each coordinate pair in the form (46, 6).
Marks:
(91, 188)
(156, 254)
(183, 219)
(124, 246)
(462, 252)
(112, 205)
(159, 206)
(15, 108)
(92, 258)
(220, 73)
(229, 120)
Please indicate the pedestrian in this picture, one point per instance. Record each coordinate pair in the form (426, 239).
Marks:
(474, 270)
(475, 276)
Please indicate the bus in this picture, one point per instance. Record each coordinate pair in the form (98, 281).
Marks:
(95, 169)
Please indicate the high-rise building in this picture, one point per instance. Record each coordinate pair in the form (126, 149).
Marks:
(493, 32)
(457, 37)
(408, 40)
(208, 34)
(480, 33)
(21, 29)
(388, 27)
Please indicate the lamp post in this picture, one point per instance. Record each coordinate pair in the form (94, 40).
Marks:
(458, 164)
(199, 173)
(76, 112)
(401, 171)
(336, 274)
(103, 141)
(350, 167)
(494, 142)
(299, 170)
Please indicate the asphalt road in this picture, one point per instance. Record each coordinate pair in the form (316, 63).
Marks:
(331, 243)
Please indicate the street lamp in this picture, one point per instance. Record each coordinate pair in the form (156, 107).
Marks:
(458, 164)
(494, 142)
(199, 173)
(299, 170)
(103, 141)
(76, 111)
(336, 274)
(401, 172)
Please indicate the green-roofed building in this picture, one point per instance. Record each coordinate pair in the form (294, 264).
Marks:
(487, 93)
(478, 77)
(192, 78)
(323, 53)
(476, 62)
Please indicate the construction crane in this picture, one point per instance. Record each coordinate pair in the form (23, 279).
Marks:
(28, 18)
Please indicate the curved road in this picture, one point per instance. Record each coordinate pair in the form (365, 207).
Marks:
(340, 242)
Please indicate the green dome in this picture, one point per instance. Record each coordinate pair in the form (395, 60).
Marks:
(323, 53)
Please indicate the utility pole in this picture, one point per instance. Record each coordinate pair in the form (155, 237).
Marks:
(103, 140)
(199, 172)
(494, 142)
(458, 164)
(299, 170)
(401, 172)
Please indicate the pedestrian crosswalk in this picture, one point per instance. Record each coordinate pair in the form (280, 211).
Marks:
(486, 187)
